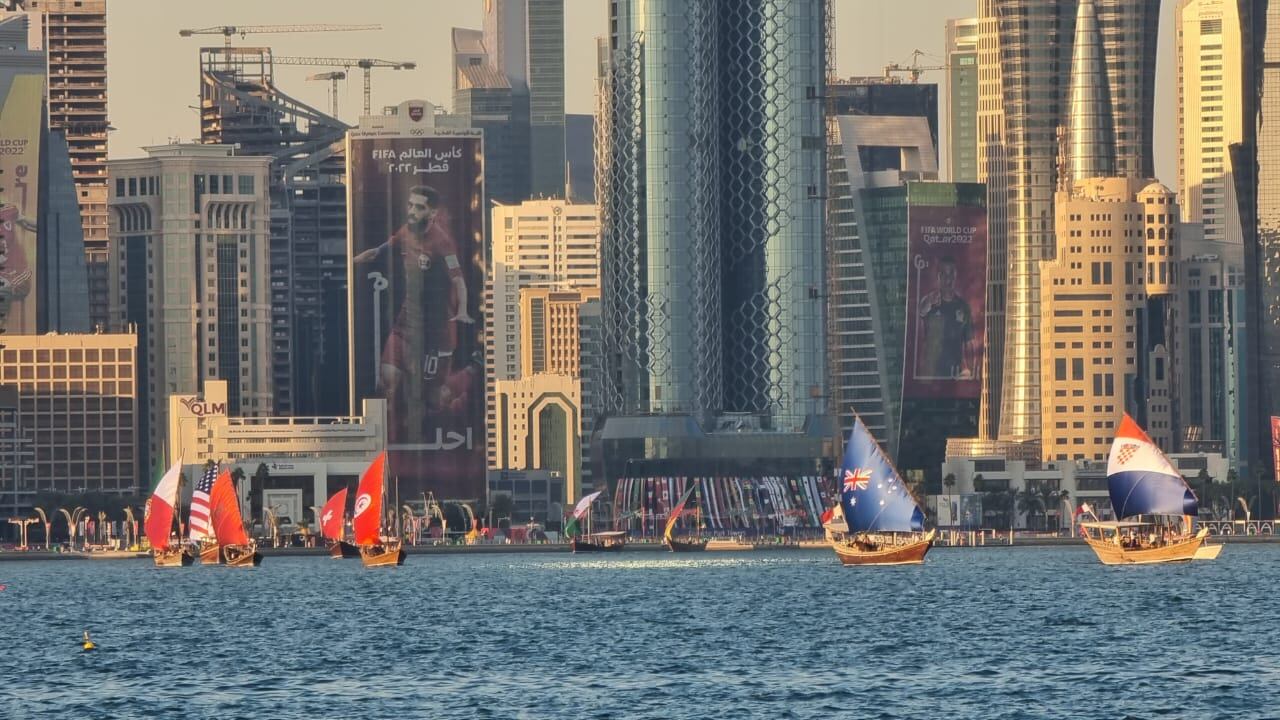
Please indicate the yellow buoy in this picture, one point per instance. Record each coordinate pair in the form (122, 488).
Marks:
(88, 644)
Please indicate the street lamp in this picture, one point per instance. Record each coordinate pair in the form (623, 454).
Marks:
(44, 520)
(22, 524)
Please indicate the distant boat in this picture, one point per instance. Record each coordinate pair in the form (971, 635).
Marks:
(611, 541)
(332, 516)
(235, 547)
(158, 520)
(376, 550)
(1142, 482)
(693, 544)
(721, 544)
(883, 523)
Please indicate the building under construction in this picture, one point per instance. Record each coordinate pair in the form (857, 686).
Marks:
(241, 105)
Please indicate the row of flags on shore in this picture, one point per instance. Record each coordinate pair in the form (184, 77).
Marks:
(722, 503)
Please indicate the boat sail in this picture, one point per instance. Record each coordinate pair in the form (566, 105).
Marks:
(332, 517)
(884, 524)
(158, 520)
(589, 542)
(235, 547)
(668, 535)
(199, 518)
(375, 550)
(1142, 481)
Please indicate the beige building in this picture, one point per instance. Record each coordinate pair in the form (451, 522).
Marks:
(77, 411)
(189, 269)
(1210, 114)
(550, 329)
(536, 244)
(1108, 315)
(539, 427)
(303, 459)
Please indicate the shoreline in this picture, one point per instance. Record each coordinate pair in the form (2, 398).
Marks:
(525, 549)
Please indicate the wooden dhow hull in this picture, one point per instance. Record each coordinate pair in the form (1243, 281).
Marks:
(388, 555)
(241, 555)
(343, 550)
(675, 545)
(910, 553)
(172, 557)
(210, 554)
(579, 546)
(1182, 550)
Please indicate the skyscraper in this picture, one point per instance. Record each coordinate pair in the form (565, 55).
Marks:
(1028, 45)
(960, 102)
(515, 67)
(1262, 196)
(74, 34)
(712, 211)
(1210, 114)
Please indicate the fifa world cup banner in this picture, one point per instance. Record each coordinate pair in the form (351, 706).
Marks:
(946, 297)
(20, 116)
(416, 280)
(1275, 446)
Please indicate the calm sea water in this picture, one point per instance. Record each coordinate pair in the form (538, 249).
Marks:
(995, 633)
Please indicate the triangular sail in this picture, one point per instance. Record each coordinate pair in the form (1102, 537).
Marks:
(874, 497)
(331, 515)
(678, 509)
(160, 508)
(228, 524)
(1141, 479)
(367, 521)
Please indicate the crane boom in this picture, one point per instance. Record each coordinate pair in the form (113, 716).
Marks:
(366, 64)
(229, 31)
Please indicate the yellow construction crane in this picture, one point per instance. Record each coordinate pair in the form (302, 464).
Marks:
(332, 77)
(229, 31)
(366, 64)
(913, 70)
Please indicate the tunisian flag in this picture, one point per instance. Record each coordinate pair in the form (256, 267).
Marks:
(367, 521)
(228, 526)
(159, 513)
(331, 515)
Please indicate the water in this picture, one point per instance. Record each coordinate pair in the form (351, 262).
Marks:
(974, 633)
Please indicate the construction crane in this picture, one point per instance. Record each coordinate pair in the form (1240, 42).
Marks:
(228, 31)
(366, 64)
(333, 77)
(913, 70)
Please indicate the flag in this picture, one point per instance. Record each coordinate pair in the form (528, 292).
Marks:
(201, 522)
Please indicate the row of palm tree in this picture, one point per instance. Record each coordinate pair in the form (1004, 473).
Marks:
(999, 504)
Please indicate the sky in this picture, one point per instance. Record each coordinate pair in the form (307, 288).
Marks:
(153, 74)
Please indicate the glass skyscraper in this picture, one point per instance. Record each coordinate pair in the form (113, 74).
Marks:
(712, 209)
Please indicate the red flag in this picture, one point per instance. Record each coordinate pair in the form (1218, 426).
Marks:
(368, 511)
(159, 512)
(228, 525)
(331, 515)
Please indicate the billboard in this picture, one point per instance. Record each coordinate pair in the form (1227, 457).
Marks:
(20, 118)
(1275, 447)
(946, 296)
(415, 283)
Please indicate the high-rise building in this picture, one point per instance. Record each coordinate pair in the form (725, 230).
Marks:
(1028, 46)
(539, 428)
(44, 243)
(1108, 317)
(74, 35)
(550, 330)
(191, 232)
(1256, 167)
(514, 67)
(960, 102)
(241, 105)
(886, 97)
(1213, 387)
(1210, 114)
(536, 244)
(712, 212)
(78, 413)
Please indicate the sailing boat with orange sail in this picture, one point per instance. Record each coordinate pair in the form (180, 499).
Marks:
(375, 549)
(234, 545)
(158, 519)
(332, 516)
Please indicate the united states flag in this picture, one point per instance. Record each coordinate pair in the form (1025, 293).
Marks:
(201, 522)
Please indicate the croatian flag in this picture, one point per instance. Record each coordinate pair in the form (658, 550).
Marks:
(1141, 479)
(201, 522)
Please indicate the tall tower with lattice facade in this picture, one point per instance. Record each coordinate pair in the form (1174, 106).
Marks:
(712, 209)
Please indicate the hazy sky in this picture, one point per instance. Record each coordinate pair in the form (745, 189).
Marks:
(154, 73)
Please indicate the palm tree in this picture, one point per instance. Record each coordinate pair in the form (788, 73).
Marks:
(1029, 503)
(950, 482)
